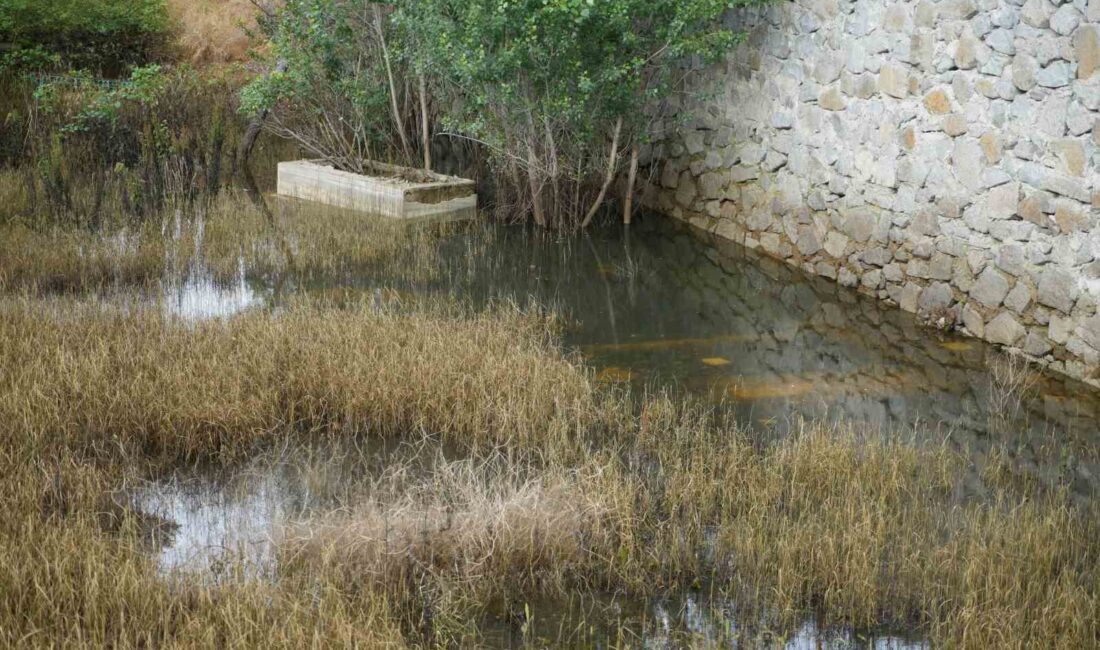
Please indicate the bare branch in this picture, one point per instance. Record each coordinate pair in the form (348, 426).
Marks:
(612, 161)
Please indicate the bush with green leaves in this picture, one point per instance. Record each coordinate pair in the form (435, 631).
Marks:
(106, 36)
(93, 146)
(336, 87)
(559, 93)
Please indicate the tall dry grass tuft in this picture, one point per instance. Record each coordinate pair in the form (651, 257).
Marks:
(213, 31)
(462, 536)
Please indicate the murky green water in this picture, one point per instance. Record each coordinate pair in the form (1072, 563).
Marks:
(658, 305)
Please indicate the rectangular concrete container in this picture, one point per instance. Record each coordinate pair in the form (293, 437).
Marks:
(391, 191)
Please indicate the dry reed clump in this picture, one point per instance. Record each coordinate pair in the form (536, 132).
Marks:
(463, 535)
(102, 377)
(14, 197)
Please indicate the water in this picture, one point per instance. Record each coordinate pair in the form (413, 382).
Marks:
(659, 305)
(665, 305)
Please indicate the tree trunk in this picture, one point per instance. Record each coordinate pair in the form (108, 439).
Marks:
(252, 133)
(612, 161)
(554, 171)
(632, 175)
(533, 183)
(398, 122)
(425, 136)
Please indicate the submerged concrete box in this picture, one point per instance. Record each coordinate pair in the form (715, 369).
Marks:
(388, 190)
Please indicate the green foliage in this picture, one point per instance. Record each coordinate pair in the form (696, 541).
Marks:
(554, 91)
(581, 62)
(100, 104)
(162, 133)
(560, 89)
(333, 96)
(105, 35)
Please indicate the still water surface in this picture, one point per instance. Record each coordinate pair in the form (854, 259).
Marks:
(659, 305)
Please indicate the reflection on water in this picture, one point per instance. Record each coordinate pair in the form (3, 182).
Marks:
(199, 296)
(216, 525)
(689, 620)
(663, 305)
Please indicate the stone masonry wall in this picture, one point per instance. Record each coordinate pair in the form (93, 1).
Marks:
(940, 155)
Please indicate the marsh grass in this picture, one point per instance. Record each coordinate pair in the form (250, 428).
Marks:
(316, 240)
(564, 485)
(69, 581)
(55, 260)
(216, 238)
(165, 387)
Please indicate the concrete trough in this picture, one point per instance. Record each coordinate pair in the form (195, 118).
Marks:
(389, 190)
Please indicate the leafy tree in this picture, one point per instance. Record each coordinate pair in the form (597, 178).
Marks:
(560, 93)
(559, 90)
(336, 88)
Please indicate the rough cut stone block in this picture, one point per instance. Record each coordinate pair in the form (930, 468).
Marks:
(1004, 329)
(1057, 289)
(990, 289)
(1087, 48)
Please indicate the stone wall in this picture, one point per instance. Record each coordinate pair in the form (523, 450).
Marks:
(943, 156)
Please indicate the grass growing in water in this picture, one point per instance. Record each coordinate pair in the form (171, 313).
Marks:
(218, 238)
(567, 485)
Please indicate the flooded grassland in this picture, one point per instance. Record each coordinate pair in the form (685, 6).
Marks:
(225, 428)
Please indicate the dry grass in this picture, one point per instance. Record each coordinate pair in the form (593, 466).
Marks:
(71, 581)
(213, 31)
(566, 485)
(166, 387)
(871, 531)
(65, 260)
(458, 539)
(312, 239)
(218, 238)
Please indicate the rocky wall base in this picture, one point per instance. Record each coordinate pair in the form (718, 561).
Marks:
(941, 156)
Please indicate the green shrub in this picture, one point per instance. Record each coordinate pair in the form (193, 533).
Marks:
(556, 94)
(123, 147)
(106, 36)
